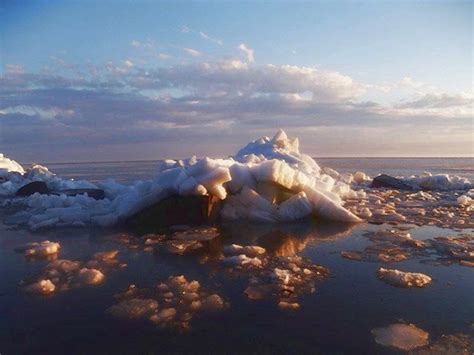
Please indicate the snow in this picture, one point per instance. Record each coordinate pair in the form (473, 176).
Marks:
(269, 180)
(444, 182)
(9, 166)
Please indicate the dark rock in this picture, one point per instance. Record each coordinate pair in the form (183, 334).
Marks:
(390, 182)
(33, 187)
(97, 194)
(175, 210)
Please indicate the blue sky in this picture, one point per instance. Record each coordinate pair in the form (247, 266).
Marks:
(127, 79)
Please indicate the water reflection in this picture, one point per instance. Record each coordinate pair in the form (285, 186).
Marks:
(284, 239)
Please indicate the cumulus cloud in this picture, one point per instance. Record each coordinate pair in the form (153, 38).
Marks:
(125, 104)
(247, 52)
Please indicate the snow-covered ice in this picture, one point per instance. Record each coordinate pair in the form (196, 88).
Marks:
(403, 279)
(269, 180)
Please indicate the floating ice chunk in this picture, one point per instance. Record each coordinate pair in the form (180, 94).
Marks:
(133, 309)
(213, 302)
(242, 260)
(465, 200)
(165, 315)
(365, 213)
(43, 287)
(41, 249)
(427, 181)
(290, 306)
(91, 276)
(249, 250)
(360, 177)
(403, 279)
(106, 255)
(401, 336)
(65, 266)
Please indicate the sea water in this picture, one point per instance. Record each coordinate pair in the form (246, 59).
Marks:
(336, 318)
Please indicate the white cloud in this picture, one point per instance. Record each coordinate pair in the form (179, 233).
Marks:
(248, 52)
(209, 38)
(136, 44)
(164, 56)
(126, 103)
(14, 69)
(192, 52)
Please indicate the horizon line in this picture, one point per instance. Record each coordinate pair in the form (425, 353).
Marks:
(321, 157)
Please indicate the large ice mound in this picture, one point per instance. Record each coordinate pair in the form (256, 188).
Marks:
(268, 180)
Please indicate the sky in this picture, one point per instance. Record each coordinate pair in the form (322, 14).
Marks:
(138, 80)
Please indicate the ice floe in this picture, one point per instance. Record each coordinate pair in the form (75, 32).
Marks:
(40, 249)
(403, 279)
(172, 303)
(401, 336)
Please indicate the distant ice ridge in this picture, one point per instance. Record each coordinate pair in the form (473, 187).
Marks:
(268, 180)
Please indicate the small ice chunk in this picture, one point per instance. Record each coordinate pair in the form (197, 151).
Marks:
(165, 315)
(41, 249)
(360, 177)
(106, 255)
(291, 306)
(213, 302)
(242, 260)
(249, 250)
(401, 336)
(65, 266)
(91, 276)
(403, 279)
(43, 287)
(133, 309)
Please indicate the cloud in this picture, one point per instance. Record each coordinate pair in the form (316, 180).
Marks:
(202, 34)
(209, 38)
(247, 52)
(192, 52)
(164, 56)
(211, 104)
(14, 69)
(439, 100)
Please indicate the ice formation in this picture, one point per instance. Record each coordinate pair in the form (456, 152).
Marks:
(401, 336)
(403, 279)
(268, 180)
(41, 249)
(9, 166)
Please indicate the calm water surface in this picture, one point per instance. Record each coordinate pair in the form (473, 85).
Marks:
(337, 318)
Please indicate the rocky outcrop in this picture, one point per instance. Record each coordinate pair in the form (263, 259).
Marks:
(33, 187)
(390, 182)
